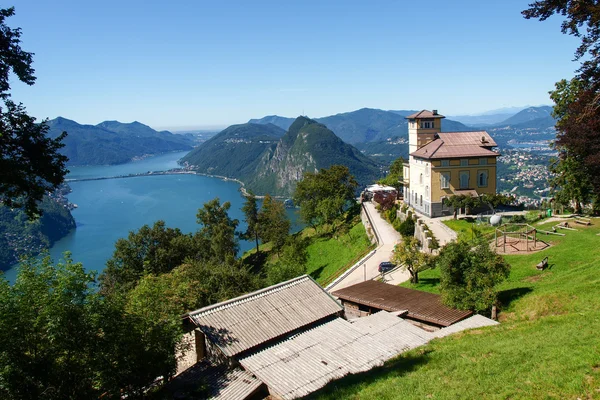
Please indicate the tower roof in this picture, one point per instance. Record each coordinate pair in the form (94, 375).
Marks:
(425, 114)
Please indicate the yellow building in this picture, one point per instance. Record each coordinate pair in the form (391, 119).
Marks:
(442, 164)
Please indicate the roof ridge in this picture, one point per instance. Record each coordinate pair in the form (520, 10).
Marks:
(249, 296)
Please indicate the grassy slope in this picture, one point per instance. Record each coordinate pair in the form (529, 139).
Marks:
(329, 257)
(548, 345)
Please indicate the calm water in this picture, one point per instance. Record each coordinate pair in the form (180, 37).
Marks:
(109, 209)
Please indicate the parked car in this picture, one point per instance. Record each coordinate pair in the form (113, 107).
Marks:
(385, 267)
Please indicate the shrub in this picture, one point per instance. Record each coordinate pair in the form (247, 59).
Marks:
(407, 228)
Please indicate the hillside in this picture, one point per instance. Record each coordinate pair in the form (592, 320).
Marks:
(112, 142)
(22, 237)
(527, 117)
(309, 146)
(366, 125)
(235, 151)
(268, 161)
(545, 347)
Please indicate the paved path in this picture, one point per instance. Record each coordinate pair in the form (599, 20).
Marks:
(388, 239)
(442, 233)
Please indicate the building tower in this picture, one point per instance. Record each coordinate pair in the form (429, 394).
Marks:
(423, 127)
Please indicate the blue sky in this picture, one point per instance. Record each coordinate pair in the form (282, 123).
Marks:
(208, 64)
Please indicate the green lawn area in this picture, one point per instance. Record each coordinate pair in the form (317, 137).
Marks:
(329, 257)
(465, 227)
(547, 346)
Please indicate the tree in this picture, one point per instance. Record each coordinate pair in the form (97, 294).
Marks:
(323, 196)
(218, 229)
(394, 176)
(150, 250)
(30, 164)
(408, 255)
(250, 210)
(274, 223)
(470, 274)
(47, 331)
(577, 101)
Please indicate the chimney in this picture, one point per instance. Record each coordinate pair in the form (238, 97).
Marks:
(435, 112)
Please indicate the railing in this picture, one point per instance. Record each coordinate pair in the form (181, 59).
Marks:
(377, 236)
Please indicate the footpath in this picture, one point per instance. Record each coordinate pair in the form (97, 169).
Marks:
(388, 237)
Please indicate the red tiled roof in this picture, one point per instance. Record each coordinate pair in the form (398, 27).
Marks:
(422, 306)
(458, 144)
(424, 114)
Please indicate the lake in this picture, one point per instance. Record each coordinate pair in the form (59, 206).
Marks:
(108, 209)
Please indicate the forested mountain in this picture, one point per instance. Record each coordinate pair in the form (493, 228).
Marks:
(366, 125)
(528, 115)
(113, 142)
(235, 151)
(19, 236)
(282, 122)
(270, 163)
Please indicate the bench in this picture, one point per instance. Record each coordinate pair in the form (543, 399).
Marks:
(582, 222)
(542, 264)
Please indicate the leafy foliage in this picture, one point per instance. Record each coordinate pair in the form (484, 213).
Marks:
(576, 101)
(21, 236)
(274, 223)
(407, 228)
(30, 164)
(323, 196)
(470, 274)
(150, 250)
(218, 229)
(409, 256)
(250, 210)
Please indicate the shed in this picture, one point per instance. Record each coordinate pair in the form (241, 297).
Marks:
(245, 322)
(423, 307)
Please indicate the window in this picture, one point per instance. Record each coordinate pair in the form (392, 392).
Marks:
(464, 162)
(421, 202)
(426, 192)
(445, 180)
(482, 178)
(464, 179)
(483, 161)
(415, 198)
(445, 163)
(421, 179)
(426, 169)
(426, 124)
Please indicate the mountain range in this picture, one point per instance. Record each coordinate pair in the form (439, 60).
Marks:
(269, 162)
(364, 125)
(113, 142)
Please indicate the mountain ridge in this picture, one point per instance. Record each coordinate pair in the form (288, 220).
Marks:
(113, 142)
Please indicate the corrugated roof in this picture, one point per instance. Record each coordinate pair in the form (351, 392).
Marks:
(458, 144)
(476, 321)
(308, 361)
(222, 383)
(424, 114)
(247, 321)
(422, 306)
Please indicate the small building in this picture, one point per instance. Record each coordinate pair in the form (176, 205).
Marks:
(442, 164)
(421, 308)
(287, 341)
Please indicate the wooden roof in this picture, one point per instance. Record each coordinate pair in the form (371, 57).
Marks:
(421, 306)
(247, 321)
(458, 145)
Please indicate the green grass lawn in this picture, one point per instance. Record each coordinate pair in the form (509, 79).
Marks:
(547, 346)
(465, 228)
(329, 257)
